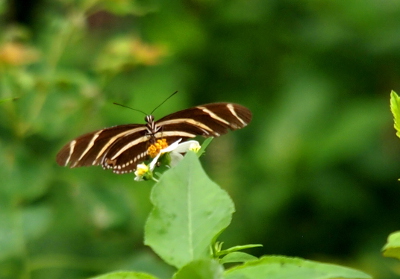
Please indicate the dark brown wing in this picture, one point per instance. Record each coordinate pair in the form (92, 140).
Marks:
(209, 120)
(121, 148)
(91, 149)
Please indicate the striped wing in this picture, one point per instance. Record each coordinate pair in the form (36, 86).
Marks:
(93, 148)
(122, 148)
(210, 120)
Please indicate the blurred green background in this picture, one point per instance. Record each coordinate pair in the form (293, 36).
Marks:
(314, 175)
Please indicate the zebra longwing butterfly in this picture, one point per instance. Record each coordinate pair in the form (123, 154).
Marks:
(121, 148)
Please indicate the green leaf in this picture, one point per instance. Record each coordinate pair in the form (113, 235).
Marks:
(201, 269)
(395, 108)
(237, 257)
(123, 7)
(8, 99)
(204, 146)
(392, 246)
(238, 248)
(272, 267)
(125, 275)
(10, 230)
(189, 210)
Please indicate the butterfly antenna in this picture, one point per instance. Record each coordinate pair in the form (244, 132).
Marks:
(130, 108)
(163, 102)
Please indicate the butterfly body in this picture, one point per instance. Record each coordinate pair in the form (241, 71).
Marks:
(121, 148)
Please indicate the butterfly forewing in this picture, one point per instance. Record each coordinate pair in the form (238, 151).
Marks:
(122, 148)
(210, 120)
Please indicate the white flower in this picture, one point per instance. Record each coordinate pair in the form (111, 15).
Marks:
(175, 150)
(176, 154)
(194, 146)
(142, 170)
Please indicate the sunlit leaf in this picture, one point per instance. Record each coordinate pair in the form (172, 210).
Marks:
(189, 210)
(125, 275)
(201, 269)
(395, 108)
(392, 246)
(272, 267)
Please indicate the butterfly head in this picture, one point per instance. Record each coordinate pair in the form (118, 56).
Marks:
(149, 118)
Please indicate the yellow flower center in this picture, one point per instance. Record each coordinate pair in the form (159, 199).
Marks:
(195, 147)
(155, 148)
(141, 170)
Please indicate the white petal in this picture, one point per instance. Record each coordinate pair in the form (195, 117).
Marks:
(175, 158)
(184, 147)
(171, 147)
(154, 162)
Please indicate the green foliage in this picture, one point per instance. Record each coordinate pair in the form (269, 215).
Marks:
(125, 275)
(200, 269)
(237, 257)
(284, 267)
(189, 211)
(319, 156)
(395, 108)
(204, 146)
(392, 246)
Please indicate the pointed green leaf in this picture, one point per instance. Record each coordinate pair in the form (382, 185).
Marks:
(201, 269)
(274, 267)
(204, 146)
(392, 246)
(125, 275)
(238, 248)
(395, 108)
(189, 210)
(237, 257)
